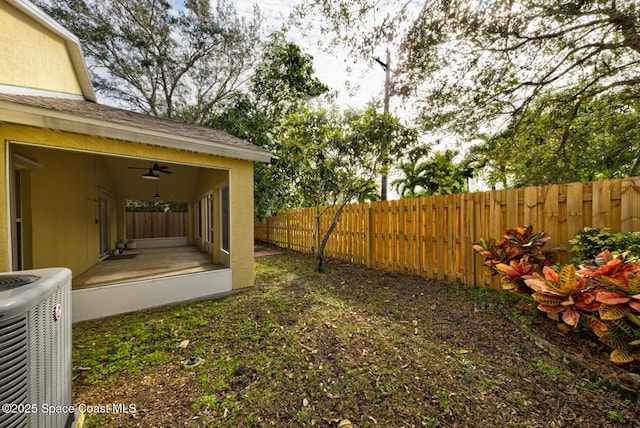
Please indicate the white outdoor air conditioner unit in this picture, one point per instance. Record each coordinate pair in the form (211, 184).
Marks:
(35, 349)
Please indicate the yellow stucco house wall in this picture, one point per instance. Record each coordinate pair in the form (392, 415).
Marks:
(63, 155)
(40, 57)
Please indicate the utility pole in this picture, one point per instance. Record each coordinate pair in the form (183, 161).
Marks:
(386, 66)
(385, 162)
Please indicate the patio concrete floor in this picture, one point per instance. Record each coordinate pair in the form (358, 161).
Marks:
(149, 263)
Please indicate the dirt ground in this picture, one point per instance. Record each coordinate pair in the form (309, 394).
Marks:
(308, 349)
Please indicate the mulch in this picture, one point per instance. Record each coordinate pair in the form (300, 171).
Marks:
(264, 250)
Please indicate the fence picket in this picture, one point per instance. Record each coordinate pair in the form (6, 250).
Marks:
(156, 224)
(630, 206)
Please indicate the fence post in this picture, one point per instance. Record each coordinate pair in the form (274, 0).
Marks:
(367, 235)
(288, 214)
(418, 237)
(267, 229)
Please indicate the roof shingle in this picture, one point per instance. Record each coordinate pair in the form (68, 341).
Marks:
(141, 121)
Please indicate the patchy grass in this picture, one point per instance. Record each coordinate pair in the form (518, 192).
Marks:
(309, 349)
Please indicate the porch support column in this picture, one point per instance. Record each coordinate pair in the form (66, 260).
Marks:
(121, 219)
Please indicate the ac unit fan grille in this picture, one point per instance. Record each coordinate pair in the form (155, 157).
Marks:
(13, 369)
(7, 282)
(49, 347)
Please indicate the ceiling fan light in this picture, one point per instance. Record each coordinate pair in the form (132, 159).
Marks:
(150, 176)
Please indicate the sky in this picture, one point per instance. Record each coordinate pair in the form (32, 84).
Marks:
(356, 83)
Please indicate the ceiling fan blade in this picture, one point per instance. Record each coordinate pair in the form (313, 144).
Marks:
(156, 167)
(161, 168)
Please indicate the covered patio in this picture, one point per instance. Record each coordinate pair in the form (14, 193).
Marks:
(145, 264)
(67, 208)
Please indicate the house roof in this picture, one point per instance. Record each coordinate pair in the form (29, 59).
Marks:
(89, 118)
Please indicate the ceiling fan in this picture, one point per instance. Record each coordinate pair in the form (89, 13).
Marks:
(152, 169)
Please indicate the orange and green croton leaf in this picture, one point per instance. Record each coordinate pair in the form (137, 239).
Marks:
(631, 287)
(633, 283)
(626, 293)
(634, 318)
(594, 323)
(564, 283)
(611, 339)
(514, 274)
(555, 293)
(614, 305)
(623, 356)
(525, 239)
(612, 313)
(614, 272)
(571, 317)
(585, 300)
(494, 253)
(620, 335)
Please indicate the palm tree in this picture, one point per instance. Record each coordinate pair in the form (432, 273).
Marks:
(437, 175)
(412, 180)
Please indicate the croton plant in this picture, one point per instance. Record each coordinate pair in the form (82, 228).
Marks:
(602, 294)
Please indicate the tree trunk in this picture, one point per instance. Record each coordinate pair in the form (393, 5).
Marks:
(636, 168)
(319, 251)
(320, 259)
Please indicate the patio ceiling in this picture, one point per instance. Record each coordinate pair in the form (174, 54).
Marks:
(129, 184)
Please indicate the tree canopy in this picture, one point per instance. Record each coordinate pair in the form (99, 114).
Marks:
(282, 82)
(507, 68)
(284, 78)
(166, 61)
(136, 205)
(600, 142)
(469, 62)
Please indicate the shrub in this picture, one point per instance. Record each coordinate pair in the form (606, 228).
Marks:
(603, 295)
(519, 254)
(590, 242)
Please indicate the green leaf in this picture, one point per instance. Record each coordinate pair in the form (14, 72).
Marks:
(613, 341)
(621, 356)
(634, 318)
(608, 312)
(624, 326)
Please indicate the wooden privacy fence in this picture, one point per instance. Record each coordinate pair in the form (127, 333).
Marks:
(156, 224)
(432, 236)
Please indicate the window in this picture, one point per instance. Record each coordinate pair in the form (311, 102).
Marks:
(199, 219)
